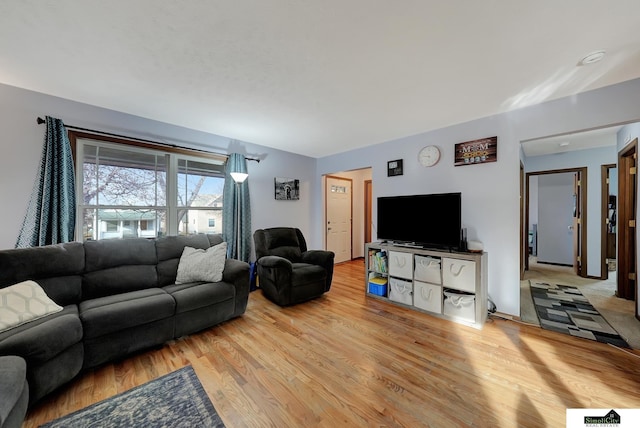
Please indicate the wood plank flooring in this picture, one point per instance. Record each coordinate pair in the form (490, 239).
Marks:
(344, 360)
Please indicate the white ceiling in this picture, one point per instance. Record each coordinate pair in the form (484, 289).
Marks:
(315, 77)
(602, 137)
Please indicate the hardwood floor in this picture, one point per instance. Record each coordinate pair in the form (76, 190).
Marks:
(344, 360)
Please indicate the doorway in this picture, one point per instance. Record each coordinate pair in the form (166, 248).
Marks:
(339, 202)
(562, 213)
(359, 209)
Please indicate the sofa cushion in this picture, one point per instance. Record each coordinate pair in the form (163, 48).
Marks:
(169, 250)
(109, 253)
(57, 268)
(64, 290)
(292, 254)
(116, 266)
(170, 247)
(282, 237)
(283, 242)
(192, 296)
(118, 280)
(202, 265)
(42, 339)
(118, 312)
(20, 264)
(24, 302)
(304, 273)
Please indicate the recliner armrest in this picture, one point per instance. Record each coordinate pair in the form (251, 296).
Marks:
(275, 262)
(318, 257)
(321, 258)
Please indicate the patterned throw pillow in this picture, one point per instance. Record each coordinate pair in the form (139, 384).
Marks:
(202, 265)
(24, 302)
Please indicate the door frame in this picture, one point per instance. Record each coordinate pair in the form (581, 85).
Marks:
(326, 208)
(368, 213)
(524, 226)
(583, 210)
(627, 245)
(604, 215)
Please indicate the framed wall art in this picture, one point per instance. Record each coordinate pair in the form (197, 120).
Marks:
(473, 152)
(394, 168)
(287, 189)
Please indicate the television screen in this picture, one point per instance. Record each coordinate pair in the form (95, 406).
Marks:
(433, 220)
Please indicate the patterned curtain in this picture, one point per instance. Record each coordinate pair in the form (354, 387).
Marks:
(51, 213)
(236, 196)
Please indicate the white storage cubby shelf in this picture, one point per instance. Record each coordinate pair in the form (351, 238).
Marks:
(449, 285)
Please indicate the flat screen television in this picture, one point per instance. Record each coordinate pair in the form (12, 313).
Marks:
(430, 221)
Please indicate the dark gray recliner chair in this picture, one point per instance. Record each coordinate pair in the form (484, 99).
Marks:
(287, 271)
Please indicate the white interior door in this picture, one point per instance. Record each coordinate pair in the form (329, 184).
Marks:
(555, 218)
(338, 226)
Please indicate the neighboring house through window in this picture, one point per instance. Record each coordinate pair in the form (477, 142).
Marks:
(132, 189)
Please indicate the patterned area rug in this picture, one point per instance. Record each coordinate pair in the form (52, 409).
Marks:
(174, 400)
(564, 309)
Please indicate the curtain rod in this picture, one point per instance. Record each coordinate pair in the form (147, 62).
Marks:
(40, 121)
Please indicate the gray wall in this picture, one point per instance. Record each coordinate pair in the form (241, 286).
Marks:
(490, 192)
(21, 145)
(491, 197)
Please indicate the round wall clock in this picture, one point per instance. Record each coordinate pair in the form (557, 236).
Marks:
(429, 156)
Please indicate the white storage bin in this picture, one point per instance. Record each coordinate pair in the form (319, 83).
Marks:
(427, 297)
(427, 269)
(401, 291)
(460, 306)
(459, 274)
(401, 264)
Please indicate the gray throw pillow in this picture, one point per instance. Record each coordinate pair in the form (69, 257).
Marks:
(202, 265)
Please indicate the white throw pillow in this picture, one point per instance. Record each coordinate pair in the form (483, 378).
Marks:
(202, 265)
(24, 302)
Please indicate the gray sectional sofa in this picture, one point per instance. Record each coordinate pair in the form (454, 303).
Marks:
(118, 297)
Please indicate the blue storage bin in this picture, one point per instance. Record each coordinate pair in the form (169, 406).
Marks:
(378, 289)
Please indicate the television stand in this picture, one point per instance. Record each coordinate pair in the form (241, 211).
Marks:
(444, 283)
(407, 244)
(421, 246)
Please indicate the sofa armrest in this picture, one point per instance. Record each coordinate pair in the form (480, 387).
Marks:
(14, 391)
(236, 273)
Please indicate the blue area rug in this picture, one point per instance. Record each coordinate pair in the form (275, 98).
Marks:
(564, 309)
(174, 400)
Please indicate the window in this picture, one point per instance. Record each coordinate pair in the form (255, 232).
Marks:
(129, 189)
(200, 188)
